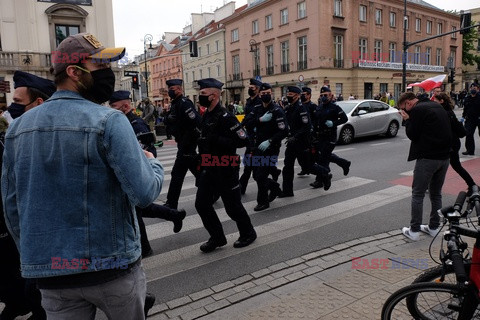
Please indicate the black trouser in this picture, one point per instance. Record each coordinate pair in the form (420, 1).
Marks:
(261, 173)
(183, 163)
(247, 169)
(457, 166)
(223, 180)
(143, 232)
(471, 125)
(292, 153)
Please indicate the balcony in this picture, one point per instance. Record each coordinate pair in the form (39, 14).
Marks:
(270, 71)
(28, 61)
(236, 76)
(285, 67)
(338, 63)
(235, 81)
(302, 65)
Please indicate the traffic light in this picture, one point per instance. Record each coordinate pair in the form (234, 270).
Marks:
(135, 82)
(193, 48)
(465, 21)
(451, 77)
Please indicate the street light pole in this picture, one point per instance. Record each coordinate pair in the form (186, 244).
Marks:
(147, 37)
(405, 48)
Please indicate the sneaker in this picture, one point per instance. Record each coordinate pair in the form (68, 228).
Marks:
(415, 236)
(425, 228)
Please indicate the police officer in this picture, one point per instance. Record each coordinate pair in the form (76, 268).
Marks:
(471, 113)
(271, 127)
(253, 102)
(327, 117)
(184, 121)
(306, 99)
(221, 135)
(120, 100)
(298, 140)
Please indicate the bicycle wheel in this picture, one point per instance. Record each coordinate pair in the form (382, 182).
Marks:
(435, 273)
(431, 301)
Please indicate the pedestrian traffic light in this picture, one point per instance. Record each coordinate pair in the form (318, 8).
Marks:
(451, 77)
(193, 48)
(465, 21)
(135, 82)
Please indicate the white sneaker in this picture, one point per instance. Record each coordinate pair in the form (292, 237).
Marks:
(415, 236)
(425, 228)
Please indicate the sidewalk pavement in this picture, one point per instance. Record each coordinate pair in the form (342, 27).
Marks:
(325, 284)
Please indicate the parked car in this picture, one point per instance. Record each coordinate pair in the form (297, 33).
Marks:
(367, 118)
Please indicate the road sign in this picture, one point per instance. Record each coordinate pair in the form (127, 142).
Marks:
(130, 73)
(258, 78)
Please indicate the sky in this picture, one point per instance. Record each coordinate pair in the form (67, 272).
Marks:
(134, 19)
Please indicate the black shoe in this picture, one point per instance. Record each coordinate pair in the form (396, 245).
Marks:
(316, 184)
(168, 205)
(346, 169)
(276, 174)
(466, 153)
(302, 173)
(179, 215)
(274, 193)
(261, 207)
(284, 194)
(212, 244)
(149, 302)
(216, 197)
(147, 253)
(245, 241)
(327, 182)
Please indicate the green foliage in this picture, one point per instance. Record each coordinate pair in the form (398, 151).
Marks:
(470, 42)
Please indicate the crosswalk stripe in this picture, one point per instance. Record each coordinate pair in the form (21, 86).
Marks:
(463, 159)
(163, 265)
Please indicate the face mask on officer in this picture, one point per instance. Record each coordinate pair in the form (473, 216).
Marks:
(203, 100)
(473, 92)
(266, 98)
(290, 99)
(172, 94)
(325, 98)
(251, 92)
(303, 98)
(17, 109)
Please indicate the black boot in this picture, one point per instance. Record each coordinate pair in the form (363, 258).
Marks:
(327, 181)
(177, 219)
(149, 301)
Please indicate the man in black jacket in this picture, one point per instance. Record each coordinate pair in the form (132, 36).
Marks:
(471, 113)
(428, 127)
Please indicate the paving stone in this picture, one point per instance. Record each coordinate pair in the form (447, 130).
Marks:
(244, 286)
(160, 316)
(258, 289)
(395, 232)
(201, 294)
(387, 245)
(201, 303)
(223, 294)
(242, 279)
(194, 314)
(278, 266)
(370, 307)
(325, 251)
(217, 305)
(178, 311)
(312, 270)
(294, 262)
(346, 252)
(239, 296)
(277, 282)
(158, 308)
(342, 259)
(372, 249)
(339, 247)
(331, 256)
(348, 313)
(295, 276)
(260, 273)
(315, 262)
(263, 280)
(357, 284)
(382, 235)
(353, 242)
(368, 239)
(179, 302)
(223, 286)
(311, 256)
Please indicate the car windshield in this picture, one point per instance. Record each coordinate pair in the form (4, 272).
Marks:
(347, 106)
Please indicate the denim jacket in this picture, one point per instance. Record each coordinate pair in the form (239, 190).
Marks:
(72, 173)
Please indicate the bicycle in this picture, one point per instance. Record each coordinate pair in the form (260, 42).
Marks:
(437, 300)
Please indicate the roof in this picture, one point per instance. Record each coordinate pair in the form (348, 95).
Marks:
(424, 3)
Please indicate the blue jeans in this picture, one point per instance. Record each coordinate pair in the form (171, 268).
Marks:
(429, 174)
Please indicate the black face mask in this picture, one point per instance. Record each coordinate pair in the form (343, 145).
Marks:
(290, 99)
(203, 100)
(251, 92)
(103, 85)
(303, 98)
(172, 94)
(266, 98)
(17, 109)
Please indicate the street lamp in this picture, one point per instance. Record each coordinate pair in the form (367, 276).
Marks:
(405, 48)
(253, 49)
(147, 37)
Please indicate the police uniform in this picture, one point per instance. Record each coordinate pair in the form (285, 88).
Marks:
(264, 162)
(298, 140)
(307, 159)
(221, 135)
(184, 121)
(471, 113)
(251, 104)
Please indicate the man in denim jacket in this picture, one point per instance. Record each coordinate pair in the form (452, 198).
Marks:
(72, 173)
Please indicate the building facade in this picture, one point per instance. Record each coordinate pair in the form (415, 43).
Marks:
(354, 47)
(31, 29)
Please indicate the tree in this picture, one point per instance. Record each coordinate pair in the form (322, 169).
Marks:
(470, 41)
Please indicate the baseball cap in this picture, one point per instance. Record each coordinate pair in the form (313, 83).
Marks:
(78, 47)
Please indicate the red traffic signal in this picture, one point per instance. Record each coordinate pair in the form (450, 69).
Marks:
(135, 82)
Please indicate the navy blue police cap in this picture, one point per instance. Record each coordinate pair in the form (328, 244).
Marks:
(325, 89)
(294, 89)
(474, 84)
(120, 95)
(265, 86)
(210, 83)
(174, 82)
(307, 90)
(255, 82)
(24, 79)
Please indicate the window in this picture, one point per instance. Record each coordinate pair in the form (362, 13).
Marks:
(268, 22)
(362, 14)
(428, 55)
(416, 56)
(285, 51)
(193, 75)
(378, 16)
(234, 35)
(438, 59)
(439, 28)
(236, 67)
(338, 49)
(418, 25)
(393, 19)
(283, 16)
(209, 72)
(453, 58)
(302, 53)
(301, 10)
(429, 27)
(337, 10)
(338, 89)
(63, 31)
(201, 74)
(407, 22)
(199, 54)
(377, 50)
(392, 52)
(362, 47)
(186, 76)
(218, 71)
(217, 45)
(454, 35)
(255, 27)
(256, 61)
(269, 51)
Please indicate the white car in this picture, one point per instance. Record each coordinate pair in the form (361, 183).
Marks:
(367, 118)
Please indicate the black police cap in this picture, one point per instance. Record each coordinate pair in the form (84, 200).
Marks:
(24, 79)
(120, 95)
(307, 90)
(325, 89)
(294, 89)
(210, 83)
(265, 86)
(174, 82)
(255, 82)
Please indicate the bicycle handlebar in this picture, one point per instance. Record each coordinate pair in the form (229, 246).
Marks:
(457, 261)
